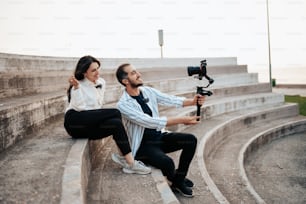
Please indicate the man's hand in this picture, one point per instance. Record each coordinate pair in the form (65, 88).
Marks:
(193, 101)
(198, 99)
(190, 120)
(74, 82)
(186, 120)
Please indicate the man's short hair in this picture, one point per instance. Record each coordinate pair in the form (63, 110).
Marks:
(121, 74)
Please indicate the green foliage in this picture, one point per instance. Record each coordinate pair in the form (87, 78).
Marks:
(300, 100)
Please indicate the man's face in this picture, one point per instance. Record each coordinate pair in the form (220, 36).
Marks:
(134, 77)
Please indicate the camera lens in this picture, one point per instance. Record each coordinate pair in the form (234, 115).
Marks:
(193, 70)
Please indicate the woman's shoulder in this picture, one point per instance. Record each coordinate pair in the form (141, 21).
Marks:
(101, 80)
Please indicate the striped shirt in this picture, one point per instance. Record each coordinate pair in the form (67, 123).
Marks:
(135, 120)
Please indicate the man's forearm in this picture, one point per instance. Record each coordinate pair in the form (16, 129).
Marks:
(187, 120)
(174, 121)
(188, 102)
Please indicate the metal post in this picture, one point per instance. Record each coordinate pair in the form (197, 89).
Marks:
(161, 52)
(269, 47)
(161, 41)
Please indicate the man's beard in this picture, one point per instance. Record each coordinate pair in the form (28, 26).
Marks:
(134, 85)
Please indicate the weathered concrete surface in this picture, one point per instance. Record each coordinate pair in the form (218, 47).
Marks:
(278, 171)
(31, 171)
(202, 191)
(22, 83)
(20, 114)
(108, 184)
(291, 90)
(223, 165)
(10, 62)
(28, 116)
(261, 139)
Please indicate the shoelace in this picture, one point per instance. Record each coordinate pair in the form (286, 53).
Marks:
(141, 163)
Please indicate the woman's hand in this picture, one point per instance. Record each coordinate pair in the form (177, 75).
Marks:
(74, 82)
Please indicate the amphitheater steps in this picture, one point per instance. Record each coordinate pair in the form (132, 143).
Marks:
(277, 170)
(24, 112)
(202, 191)
(16, 83)
(108, 184)
(223, 163)
(20, 116)
(31, 170)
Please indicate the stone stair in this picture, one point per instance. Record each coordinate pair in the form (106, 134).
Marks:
(280, 164)
(31, 98)
(36, 150)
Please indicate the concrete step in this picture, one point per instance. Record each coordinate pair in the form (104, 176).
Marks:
(220, 106)
(23, 113)
(273, 160)
(13, 62)
(204, 189)
(21, 84)
(22, 116)
(223, 91)
(114, 92)
(102, 149)
(269, 100)
(24, 83)
(222, 162)
(32, 169)
(167, 73)
(108, 184)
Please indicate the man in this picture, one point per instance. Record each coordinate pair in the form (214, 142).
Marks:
(139, 108)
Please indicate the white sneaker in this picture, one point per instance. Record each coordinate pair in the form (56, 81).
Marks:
(137, 168)
(119, 160)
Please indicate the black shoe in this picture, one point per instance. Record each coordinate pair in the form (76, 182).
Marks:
(182, 189)
(188, 183)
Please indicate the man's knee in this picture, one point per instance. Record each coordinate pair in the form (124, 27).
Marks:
(192, 140)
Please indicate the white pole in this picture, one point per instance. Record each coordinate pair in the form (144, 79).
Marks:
(161, 42)
(269, 47)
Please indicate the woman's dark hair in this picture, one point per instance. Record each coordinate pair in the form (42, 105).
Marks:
(81, 67)
(121, 74)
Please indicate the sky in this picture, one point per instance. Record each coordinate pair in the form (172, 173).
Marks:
(129, 28)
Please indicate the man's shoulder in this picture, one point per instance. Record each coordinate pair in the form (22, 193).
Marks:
(124, 97)
(147, 89)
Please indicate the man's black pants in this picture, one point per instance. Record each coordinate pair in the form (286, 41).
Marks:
(154, 147)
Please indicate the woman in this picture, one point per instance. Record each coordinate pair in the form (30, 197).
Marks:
(85, 117)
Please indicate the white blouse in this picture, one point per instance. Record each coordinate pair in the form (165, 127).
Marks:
(87, 96)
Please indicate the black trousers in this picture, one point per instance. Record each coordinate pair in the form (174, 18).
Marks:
(97, 124)
(153, 151)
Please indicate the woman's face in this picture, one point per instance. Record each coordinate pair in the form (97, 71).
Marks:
(92, 73)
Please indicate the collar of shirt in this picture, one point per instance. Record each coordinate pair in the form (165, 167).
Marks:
(89, 83)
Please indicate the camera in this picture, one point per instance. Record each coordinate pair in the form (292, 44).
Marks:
(201, 91)
(201, 71)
